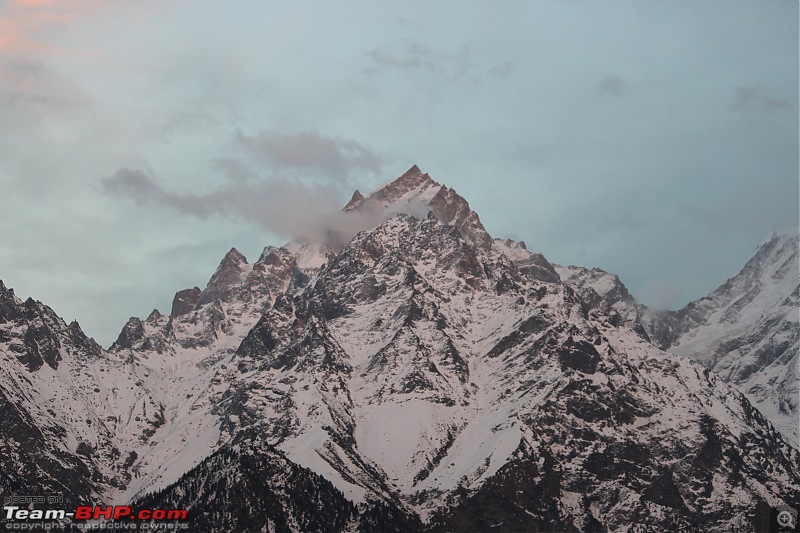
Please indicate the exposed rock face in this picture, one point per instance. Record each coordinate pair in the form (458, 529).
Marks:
(406, 376)
(415, 190)
(34, 464)
(355, 201)
(185, 301)
(8, 304)
(421, 377)
(529, 263)
(229, 272)
(747, 331)
(131, 333)
(55, 437)
(36, 335)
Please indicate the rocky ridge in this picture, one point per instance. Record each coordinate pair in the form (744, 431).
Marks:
(434, 378)
(747, 331)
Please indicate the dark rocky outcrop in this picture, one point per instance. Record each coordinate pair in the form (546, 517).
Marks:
(185, 301)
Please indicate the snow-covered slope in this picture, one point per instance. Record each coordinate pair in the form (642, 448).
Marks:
(185, 354)
(432, 377)
(65, 404)
(748, 331)
(419, 371)
(415, 193)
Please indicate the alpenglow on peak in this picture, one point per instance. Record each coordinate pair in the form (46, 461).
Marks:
(414, 191)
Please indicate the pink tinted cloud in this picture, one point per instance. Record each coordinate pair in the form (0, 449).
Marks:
(26, 26)
(32, 2)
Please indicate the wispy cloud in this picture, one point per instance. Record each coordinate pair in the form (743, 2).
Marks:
(415, 56)
(751, 98)
(32, 82)
(288, 207)
(612, 85)
(187, 121)
(233, 169)
(25, 25)
(309, 151)
(502, 70)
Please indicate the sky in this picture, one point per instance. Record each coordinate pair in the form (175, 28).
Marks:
(140, 141)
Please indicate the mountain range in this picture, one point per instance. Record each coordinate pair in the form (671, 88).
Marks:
(419, 376)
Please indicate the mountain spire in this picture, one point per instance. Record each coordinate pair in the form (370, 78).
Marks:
(355, 201)
(230, 271)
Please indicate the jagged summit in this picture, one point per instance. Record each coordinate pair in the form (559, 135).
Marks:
(417, 369)
(355, 201)
(531, 263)
(185, 301)
(233, 256)
(412, 184)
(230, 271)
(424, 371)
(748, 331)
(415, 192)
(778, 246)
(786, 234)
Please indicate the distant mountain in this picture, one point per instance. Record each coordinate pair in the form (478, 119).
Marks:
(421, 376)
(747, 331)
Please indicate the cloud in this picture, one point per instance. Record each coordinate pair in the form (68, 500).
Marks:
(750, 98)
(32, 82)
(612, 85)
(35, 101)
(777, 103)
(291, 208)
(744, 97)
(187, 121)
(27, 24)
(233, 169)
(417, 56)
(502, 70)
(310, 151)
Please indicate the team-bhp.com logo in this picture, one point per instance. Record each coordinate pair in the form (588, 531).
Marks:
(97, 517)
(118, 512)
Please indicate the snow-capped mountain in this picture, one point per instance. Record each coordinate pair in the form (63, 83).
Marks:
(422, 376)
(747, 330)
(72, 413)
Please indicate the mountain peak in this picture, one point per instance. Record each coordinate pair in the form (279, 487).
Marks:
(230, 271)
(235, 255)
(413, 183)
(6, 292)
(416, 189)
(777, 240)
(184, 301)
(355, 201)
(778, 250)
